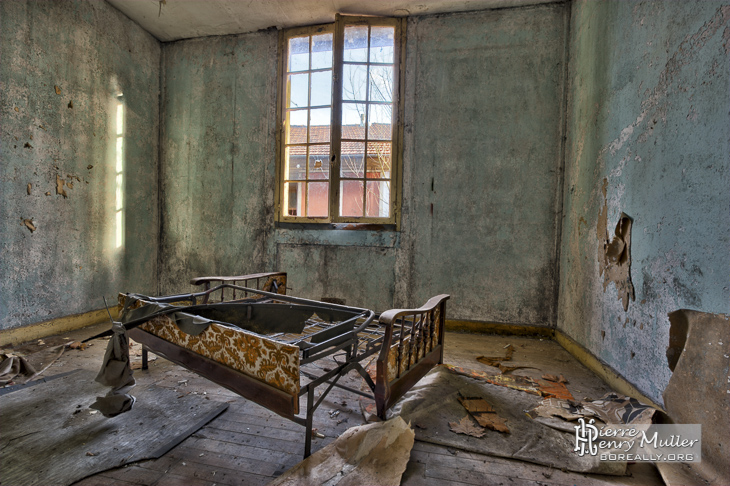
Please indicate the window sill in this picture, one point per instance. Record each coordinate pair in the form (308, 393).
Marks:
(339, 234)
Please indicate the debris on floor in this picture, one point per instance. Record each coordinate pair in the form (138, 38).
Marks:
(466, 426)
(612, 408)
(368, 454)
(484, 413)
(17, 368)
(541, 388)
(434, 401)
(496, 360)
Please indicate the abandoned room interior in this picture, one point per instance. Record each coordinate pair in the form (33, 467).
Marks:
(380, 242)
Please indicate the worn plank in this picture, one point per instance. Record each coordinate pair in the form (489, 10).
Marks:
(50, 436)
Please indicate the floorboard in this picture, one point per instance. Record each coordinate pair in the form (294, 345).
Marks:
(249, 445)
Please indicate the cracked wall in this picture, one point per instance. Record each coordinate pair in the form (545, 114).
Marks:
(63, 64)
(648, 111)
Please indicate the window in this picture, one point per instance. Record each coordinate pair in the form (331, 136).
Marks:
(339, 117)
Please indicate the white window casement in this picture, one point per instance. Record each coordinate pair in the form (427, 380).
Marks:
(340, 122)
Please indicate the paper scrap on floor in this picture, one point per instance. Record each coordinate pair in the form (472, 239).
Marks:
(368, 454)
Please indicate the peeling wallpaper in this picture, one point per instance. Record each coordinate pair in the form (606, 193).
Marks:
(648, 111)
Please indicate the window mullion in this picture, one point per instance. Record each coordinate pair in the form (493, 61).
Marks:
(336, 154)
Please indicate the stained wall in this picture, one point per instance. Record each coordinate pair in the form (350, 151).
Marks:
(482, 171)
(62, 66)
(647, 117)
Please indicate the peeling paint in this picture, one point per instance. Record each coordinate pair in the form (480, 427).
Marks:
(648, 135)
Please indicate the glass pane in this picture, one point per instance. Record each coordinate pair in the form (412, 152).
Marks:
(318, 199)
(354, 80)
(352, 160)
(380, 123)
(299, 54)
(378, 199)
(381, 44)
(322, 88)
(296, 126)
(293, 199)
(379, 160)
(322, 51)
(319, 161)
(381, 83)
(351, 198)
(319, 125)
(353, 120)
(356, 44)
(294, 158)
(298, 90)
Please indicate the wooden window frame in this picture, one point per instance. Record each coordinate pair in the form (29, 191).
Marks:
(338, 29)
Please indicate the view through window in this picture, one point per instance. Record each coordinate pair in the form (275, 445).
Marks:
(339, 119)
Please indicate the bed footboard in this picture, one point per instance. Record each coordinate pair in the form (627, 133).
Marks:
(412, 345)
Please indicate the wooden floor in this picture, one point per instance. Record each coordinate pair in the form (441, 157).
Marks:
(250, 445)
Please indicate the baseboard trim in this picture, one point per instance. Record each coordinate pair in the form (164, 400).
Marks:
(55, 326)
(499, 328)
(604, 371)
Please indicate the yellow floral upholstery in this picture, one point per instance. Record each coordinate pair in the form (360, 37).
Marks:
(272, 362)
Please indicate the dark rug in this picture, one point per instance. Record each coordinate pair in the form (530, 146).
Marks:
(49, 436)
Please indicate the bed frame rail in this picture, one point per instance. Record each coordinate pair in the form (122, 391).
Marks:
(413, 342)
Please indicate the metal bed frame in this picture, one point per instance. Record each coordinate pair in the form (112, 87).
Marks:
(353, 340)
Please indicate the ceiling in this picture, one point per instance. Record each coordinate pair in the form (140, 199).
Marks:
(170, 20)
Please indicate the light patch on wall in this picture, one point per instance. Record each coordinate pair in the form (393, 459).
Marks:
(119, 157)
(614, 255)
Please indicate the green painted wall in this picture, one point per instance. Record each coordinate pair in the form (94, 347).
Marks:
(648, 112)
(90, 51)
(483, 119)
(483, 149)
(217, 167)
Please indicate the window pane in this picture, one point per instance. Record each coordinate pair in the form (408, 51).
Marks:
(356, 44)
(354, 81)
(381, 44)
(319, 125)
(298, 90)
(322, 51)
(294, 199)
(319, 162)
(379, 160)
(351, 198)
(353, 159)
(381, 83)
(299, 54)
(322, 88)
(296, 122)
(378, 199)
(380, 124)
(318, 199)
(294, 163)
(353, 120)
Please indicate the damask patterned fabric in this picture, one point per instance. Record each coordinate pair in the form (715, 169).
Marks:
(274, 363)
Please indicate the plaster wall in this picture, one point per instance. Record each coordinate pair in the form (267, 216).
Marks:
(648, 114)
(63, 63)
(493, 176)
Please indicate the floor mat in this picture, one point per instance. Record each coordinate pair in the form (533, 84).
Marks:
(49, 436)
(433, 403)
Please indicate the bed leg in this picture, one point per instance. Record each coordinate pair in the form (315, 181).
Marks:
(144, 357)
(308, 432)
